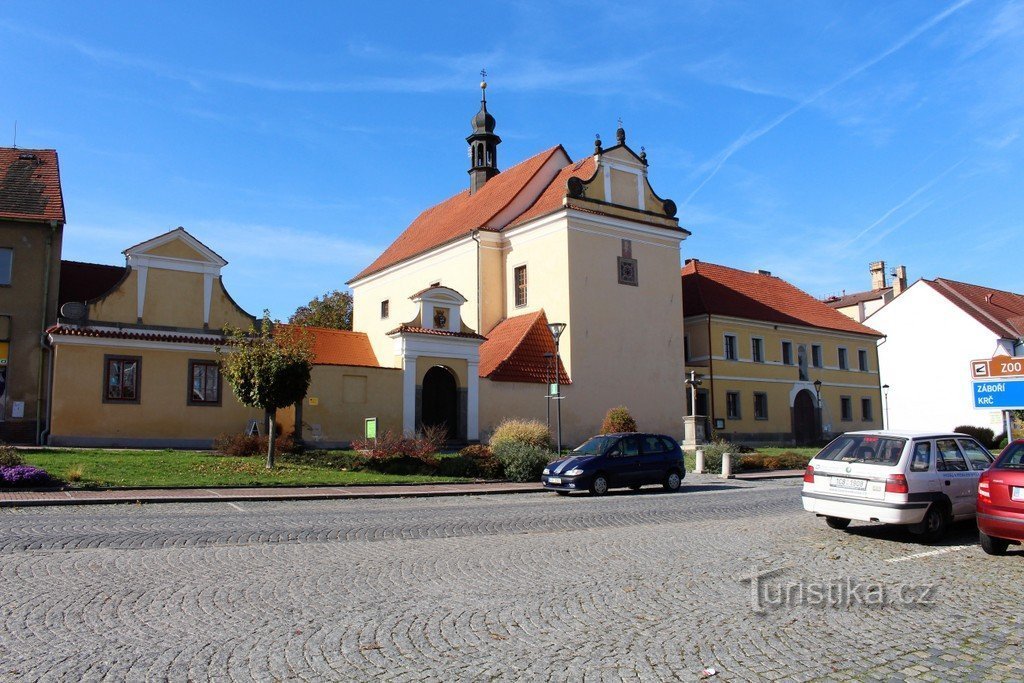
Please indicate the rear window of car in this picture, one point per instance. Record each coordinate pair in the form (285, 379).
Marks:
(1012, 457)
(979, 458)
(868, 449)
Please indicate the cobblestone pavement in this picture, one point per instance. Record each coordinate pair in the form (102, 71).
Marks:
(529, 587)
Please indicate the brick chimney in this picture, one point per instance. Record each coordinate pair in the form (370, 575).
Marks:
(877, 270)
(899, 280)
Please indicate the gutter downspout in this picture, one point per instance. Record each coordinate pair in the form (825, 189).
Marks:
(44, 435)
(42, 333)
(479, 305)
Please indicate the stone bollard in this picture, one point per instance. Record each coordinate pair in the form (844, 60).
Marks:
(698, 468)
(727, 466)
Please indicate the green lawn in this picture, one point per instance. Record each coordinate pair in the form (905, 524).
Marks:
(168, 468)
(775, 450)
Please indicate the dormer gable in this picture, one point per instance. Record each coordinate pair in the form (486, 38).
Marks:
(440, 308)
(175, 250)
(621, 180)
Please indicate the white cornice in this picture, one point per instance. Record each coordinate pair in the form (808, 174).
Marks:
(74, 340)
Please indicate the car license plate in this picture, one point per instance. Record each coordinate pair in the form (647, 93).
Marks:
(850, 484)
(1017, 492)
(554, 480)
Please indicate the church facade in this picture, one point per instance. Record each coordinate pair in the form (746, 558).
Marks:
(462, 299)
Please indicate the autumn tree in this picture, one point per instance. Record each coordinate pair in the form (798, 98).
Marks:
(333, 309)
(268, 368)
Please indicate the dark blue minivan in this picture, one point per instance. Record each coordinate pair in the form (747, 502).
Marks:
(618, 460)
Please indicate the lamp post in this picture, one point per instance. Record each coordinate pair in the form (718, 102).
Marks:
(817, 393)
(556, 332)
(885, 400)
(550, 359)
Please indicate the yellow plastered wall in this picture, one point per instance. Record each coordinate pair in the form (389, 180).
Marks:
(458, 366)
(173, 298)
(500, 400)
(624, 343)
(778, 381)
(224, 311)
(453, 267)
(120, 305)
(345, 396)
(162, 413)
(177, 248)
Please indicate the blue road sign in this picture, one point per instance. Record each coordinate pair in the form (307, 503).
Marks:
(1004, 394)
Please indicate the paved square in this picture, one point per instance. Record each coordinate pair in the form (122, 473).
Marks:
(527, 587)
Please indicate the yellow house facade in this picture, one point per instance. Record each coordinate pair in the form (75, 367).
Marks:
(775, 364)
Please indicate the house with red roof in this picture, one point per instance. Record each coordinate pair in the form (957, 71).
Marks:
(932, 333)
(31, 230)
(859, 305)
(774, 364)
(462, 298)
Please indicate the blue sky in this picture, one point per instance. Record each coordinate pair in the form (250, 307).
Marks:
(298, 140)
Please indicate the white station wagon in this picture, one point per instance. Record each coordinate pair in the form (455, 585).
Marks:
(924, 480)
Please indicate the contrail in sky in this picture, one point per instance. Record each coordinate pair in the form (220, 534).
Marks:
(750, 136)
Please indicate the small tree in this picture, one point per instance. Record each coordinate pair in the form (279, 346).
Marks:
(618, 420)
(333, 309)
(268, 368)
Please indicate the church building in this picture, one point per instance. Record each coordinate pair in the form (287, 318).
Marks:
(462, 300)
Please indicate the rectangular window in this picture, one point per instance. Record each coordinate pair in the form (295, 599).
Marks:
(520, 278)
(732, 405)
(844, 364)
(760, 406)
(865, 410)
(385, 308)
(816, 355)
(846, 408)
(121, 379)
(787, 353)
(757, 349)
(730, 347)
(862, 359)
(204, 383)
(6, 265)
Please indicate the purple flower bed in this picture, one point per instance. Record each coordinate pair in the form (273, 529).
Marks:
(23, 476)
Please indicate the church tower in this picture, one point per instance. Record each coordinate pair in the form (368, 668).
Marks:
(483, 144)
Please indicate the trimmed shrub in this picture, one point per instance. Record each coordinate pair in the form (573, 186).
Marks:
(522, 461)
(787, 460)
(713, 456)
(390, 446)
(23, 476)
(338, 460)
(985, 436)
(618, 420)
(485, 464)
(532, 432)
(9, 456)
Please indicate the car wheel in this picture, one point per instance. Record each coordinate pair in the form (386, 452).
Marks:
(672, 481)
(934, 524)
(991, 545)
(837, 522)
(599, 486)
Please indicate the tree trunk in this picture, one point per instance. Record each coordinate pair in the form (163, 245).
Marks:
(271, 438)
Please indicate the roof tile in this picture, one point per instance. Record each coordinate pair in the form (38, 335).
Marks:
(30, 185)
(998, 310)
(719, 290)
(515, 348)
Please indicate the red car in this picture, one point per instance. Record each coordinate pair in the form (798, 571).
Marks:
(1001, 501)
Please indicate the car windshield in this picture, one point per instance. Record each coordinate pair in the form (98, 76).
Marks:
(1012, 458)
(865, 448)
(595, 445)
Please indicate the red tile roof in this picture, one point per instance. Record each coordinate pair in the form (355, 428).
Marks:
(30, 185)
(441, 333)
(515, 348)
(86, 281)
(139, 335)
(460, 215)
(856, 298)
(1000, 311)
(341, 347)
(718, 290)
(553, 198)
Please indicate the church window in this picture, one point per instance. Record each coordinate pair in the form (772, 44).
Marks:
(520, 284)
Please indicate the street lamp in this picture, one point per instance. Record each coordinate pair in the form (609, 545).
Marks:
(817, 392)
(556, 331)
(885, 400)
(549, 359)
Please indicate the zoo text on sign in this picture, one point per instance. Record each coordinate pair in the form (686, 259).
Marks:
(997, 367)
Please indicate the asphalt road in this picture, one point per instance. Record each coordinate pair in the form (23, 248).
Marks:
(520, 587)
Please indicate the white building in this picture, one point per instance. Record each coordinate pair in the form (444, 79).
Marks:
(933, 331)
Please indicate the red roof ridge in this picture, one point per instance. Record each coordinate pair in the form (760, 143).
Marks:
(1000, 327)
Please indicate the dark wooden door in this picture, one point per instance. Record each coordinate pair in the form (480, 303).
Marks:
(440, 401)
(805, 419)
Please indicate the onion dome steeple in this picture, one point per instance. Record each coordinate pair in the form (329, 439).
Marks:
(483, 144)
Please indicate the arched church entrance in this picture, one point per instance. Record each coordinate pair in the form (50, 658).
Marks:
(805, 418)
(440, 407)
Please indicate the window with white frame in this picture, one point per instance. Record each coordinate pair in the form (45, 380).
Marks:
(730, 346)
(757, 349)
(862, 359)
(787, 353)
(844, 362)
